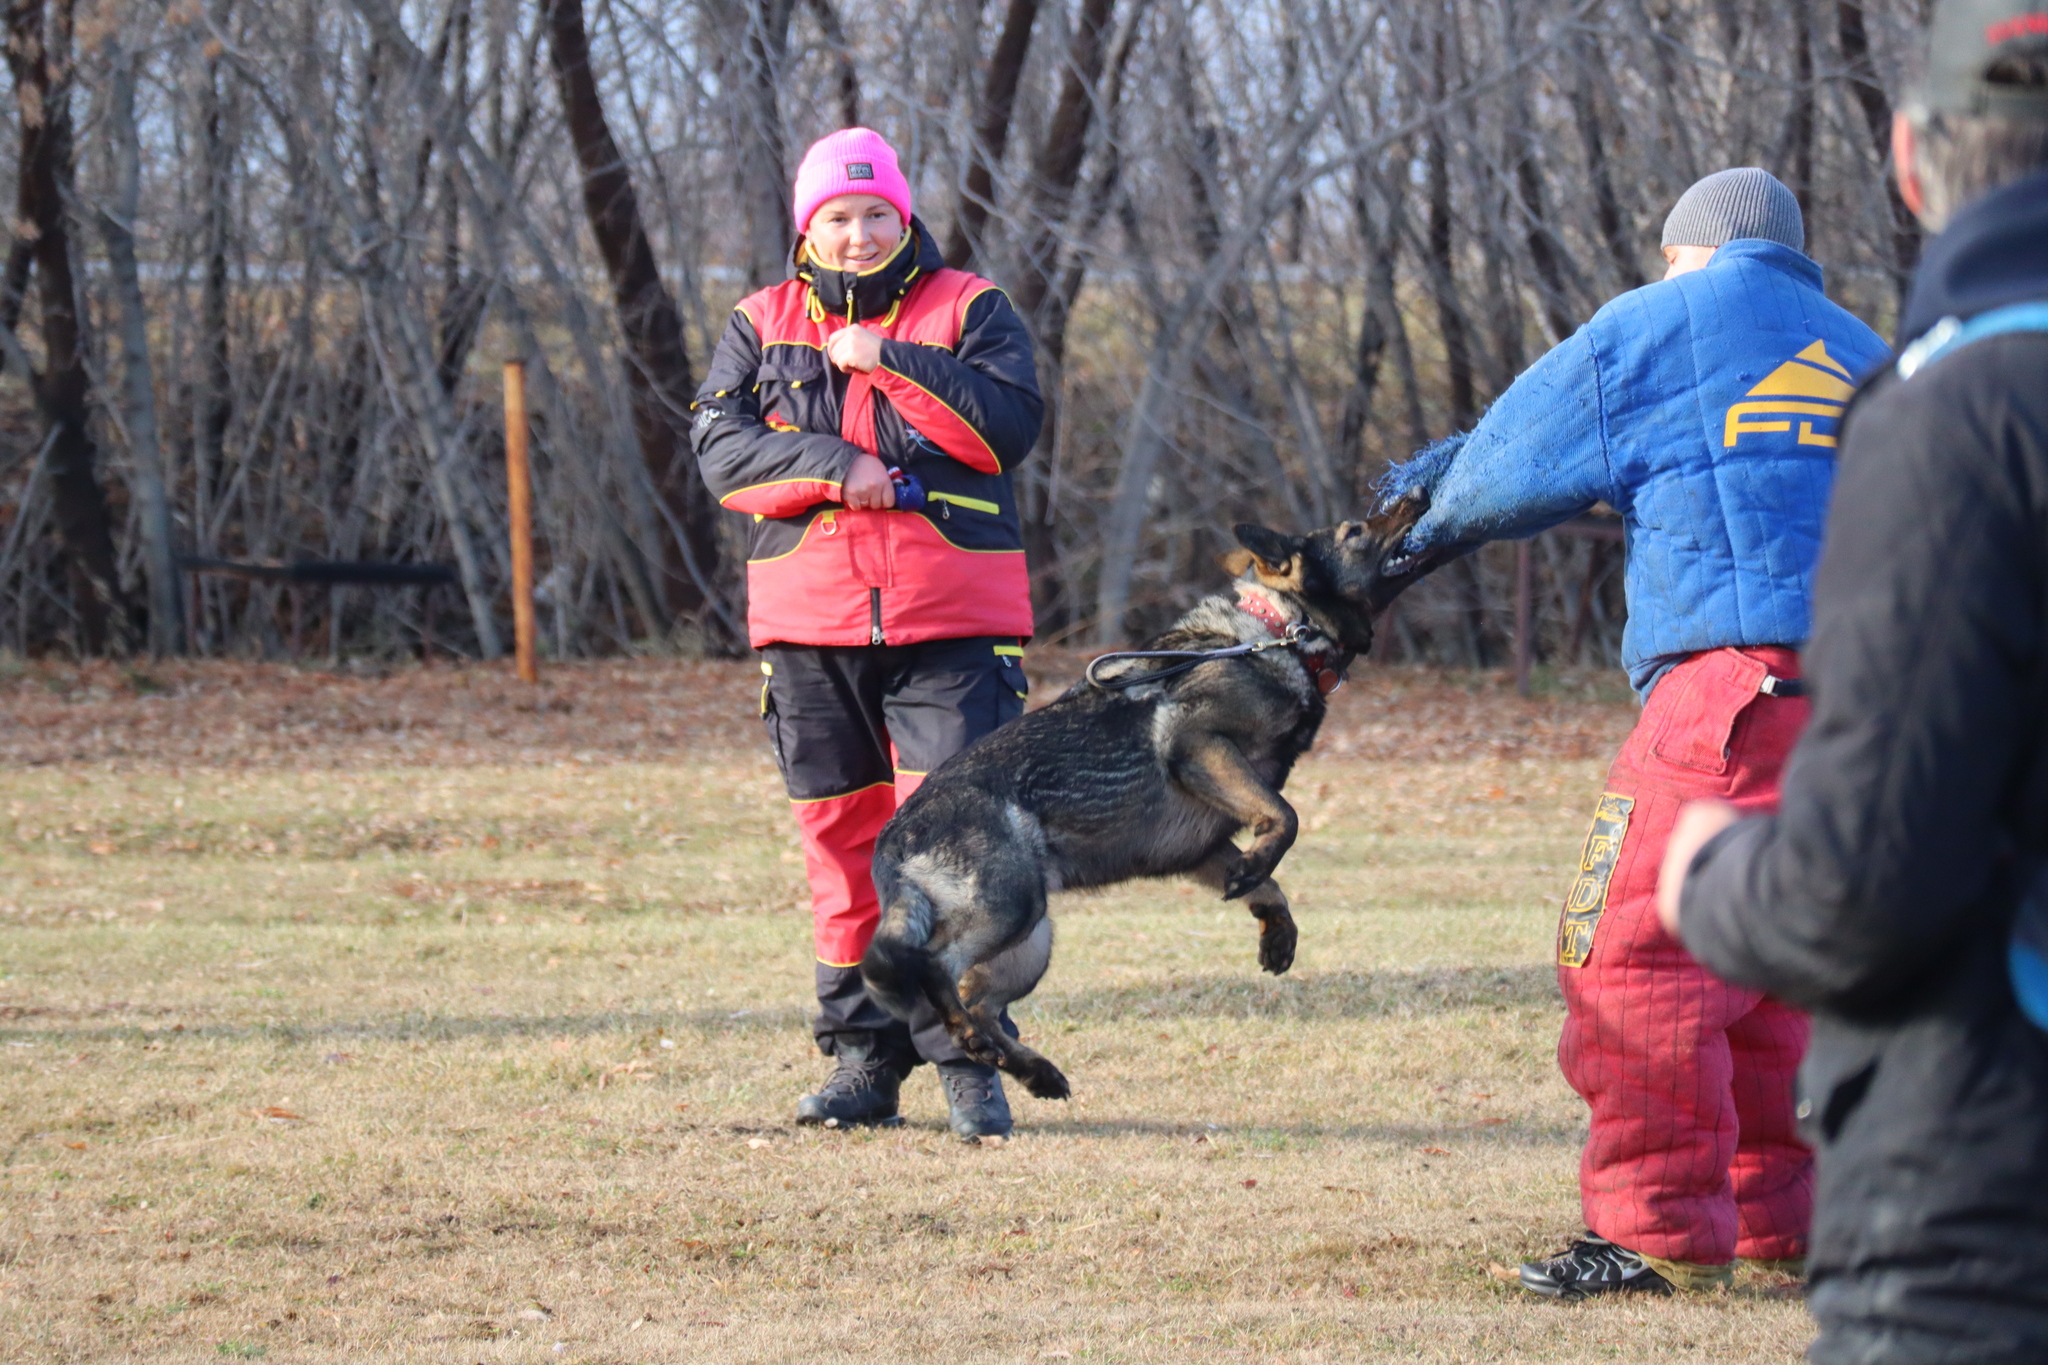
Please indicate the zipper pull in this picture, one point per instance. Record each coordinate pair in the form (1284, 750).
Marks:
(875, 636)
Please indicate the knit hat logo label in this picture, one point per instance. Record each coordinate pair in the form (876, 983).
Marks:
(860, 170)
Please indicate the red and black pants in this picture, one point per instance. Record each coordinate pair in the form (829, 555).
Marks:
(855, 729)
(1693, 1154)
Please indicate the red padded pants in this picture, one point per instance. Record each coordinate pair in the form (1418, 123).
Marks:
(1693, 1155)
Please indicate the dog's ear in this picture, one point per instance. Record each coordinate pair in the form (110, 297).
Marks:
(1276, 556)
(1234, 562)
(1272, 548)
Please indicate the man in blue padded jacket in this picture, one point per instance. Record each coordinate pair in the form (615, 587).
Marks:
(1704, 408)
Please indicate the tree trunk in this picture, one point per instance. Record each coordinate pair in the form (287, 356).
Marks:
(1046, 286)
(1795, 148)
(1546, 253)
(65, 389)
(1614, 233)
(1443, 278)
(138, 395)
(658, 374)
(215, 395)
(752, 72)
(848, 75)
(1877, 117)
(991, 132)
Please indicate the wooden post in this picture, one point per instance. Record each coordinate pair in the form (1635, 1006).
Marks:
(519, 485)
(1525, 647)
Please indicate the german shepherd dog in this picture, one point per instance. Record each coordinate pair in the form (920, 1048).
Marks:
(1132, 774)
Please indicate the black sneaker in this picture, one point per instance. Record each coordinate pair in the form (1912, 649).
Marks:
(1592, 1265)
(861, 1090)
(974, 1101)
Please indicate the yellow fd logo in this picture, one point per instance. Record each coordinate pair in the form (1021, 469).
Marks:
(1809, 385)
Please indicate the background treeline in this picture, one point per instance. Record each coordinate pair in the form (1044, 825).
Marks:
(267, 256)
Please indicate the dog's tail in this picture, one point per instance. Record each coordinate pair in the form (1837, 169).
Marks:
(896, 961)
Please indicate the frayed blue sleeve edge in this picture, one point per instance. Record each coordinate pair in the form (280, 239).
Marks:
(1425, 470)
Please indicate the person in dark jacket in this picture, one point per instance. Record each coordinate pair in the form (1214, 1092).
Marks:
(867, 413)
(1914, 819)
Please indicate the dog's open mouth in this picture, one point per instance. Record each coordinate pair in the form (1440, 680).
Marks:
(1397, 564)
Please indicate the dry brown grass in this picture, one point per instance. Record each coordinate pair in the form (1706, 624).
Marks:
(379, 1020)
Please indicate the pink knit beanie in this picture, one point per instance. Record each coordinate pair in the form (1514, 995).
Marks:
(850, 161)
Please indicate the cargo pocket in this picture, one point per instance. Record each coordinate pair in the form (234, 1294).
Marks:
(1834, 1081)
(1698, 725)
(770, 720)
(1010, 661)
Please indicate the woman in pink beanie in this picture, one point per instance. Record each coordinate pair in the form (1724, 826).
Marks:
(890, 612)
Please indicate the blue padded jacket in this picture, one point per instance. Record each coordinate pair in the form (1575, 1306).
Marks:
(1704, 410)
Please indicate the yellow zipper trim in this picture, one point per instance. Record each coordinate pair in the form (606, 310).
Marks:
(959, 500)
(1015, 651)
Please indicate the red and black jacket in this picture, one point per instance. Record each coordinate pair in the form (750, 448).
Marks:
(954, 401)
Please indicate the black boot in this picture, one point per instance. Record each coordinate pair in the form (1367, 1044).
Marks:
(1592, 1265)
(974, 1100)
(861, 1089)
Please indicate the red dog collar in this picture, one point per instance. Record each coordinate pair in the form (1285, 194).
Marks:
(1326, 678)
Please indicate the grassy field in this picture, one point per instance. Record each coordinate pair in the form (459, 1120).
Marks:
(426, 1019)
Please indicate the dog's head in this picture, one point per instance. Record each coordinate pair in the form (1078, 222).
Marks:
(1345, 574)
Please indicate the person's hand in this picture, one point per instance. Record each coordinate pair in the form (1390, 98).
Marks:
(854, 348)
(1698, 822)
(867, 485)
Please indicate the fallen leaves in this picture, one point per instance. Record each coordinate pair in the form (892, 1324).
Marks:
(636, 1069)
(269, 716)
(279, 1114)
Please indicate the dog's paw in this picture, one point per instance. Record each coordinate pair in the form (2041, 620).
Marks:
(1243, 877)
(977, 1047)
(1046, 1082)
(1277, 938)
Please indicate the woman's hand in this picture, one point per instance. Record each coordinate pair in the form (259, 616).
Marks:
(854, 348)
(1698, 822)
(867, 485)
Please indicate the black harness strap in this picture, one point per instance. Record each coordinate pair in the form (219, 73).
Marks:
(1189, 659)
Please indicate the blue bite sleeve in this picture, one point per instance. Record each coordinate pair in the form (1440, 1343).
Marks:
(1538, 457)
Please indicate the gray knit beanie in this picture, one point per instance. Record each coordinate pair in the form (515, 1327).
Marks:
(1744, 202)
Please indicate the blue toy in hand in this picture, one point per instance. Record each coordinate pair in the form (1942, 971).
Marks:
(910, 496)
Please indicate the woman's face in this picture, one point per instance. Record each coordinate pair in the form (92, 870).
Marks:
(854, 231)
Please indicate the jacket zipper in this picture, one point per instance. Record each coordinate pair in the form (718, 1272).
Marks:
(875, 615)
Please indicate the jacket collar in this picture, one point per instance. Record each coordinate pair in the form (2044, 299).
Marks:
(1992, 253)
(871, 292)
(1777, 255)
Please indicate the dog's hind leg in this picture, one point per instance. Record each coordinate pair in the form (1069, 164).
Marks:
(1266, 901)
(987, 987)
(1212, 769)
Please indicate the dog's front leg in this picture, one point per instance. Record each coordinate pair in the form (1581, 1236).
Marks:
(1267, 902)
(1213, 770)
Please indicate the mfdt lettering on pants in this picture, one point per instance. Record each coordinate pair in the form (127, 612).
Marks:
(1588, 898)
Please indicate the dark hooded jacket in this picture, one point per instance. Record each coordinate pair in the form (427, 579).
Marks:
(1915, 812)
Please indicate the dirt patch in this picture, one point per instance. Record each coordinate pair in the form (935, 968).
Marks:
(273, 716)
